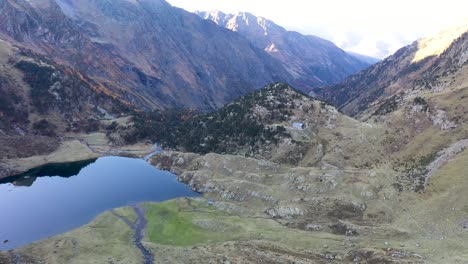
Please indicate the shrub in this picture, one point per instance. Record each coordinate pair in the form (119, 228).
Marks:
(45, 128)
(92, 125)
(420, 101)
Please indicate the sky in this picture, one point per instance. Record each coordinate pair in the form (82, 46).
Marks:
(371, 27)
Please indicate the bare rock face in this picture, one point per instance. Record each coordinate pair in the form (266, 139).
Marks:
(443, 157)
(440, 119)
(312, 61)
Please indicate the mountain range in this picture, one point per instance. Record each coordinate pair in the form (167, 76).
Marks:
(149, 53)
(368, 168)
(156, 56)
(312, 61)
(68, 63)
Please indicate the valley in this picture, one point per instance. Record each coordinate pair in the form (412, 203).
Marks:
(138, 132)
(339, 200)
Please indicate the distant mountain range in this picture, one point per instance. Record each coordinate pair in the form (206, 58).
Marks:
(155, 56)
(149, 53)
(312, 61)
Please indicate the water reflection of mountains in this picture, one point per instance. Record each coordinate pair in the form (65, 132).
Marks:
(65, 170)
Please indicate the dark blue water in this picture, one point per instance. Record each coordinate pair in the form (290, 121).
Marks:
(40, 204)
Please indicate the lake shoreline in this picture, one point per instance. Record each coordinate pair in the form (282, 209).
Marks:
(77, 193)
(73, 150)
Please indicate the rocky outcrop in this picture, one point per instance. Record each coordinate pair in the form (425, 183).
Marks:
(285, 212)
(276, 123)
(441, 120)
(443, 157)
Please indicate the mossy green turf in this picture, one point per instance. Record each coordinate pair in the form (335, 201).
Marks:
(168, 226)
(174, 223)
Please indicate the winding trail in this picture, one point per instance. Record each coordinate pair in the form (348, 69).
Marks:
(139, 227)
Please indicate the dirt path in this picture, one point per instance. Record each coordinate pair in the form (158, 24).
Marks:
(139, 227)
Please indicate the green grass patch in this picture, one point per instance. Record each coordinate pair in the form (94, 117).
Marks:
(186, 223)
(127, 212)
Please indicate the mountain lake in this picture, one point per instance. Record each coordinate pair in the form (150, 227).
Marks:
(57, 198)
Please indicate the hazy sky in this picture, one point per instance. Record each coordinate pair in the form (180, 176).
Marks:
(371, 27)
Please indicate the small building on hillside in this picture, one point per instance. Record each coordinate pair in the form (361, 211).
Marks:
(298, 125)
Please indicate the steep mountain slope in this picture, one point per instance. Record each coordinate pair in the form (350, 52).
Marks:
(416, 67)
(313, 61)
(40, 102)
(152, 54)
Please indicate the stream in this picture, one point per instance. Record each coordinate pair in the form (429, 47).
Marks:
(139, 228)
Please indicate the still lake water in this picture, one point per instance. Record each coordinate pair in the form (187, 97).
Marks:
(53, 199)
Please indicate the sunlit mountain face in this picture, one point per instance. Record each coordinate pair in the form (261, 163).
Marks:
(417, 66)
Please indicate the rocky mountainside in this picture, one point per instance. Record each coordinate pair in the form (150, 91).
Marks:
(416, 68)
(41, 101)
(396, 175)
(151, 54)
(419, 95)
(312, 61)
